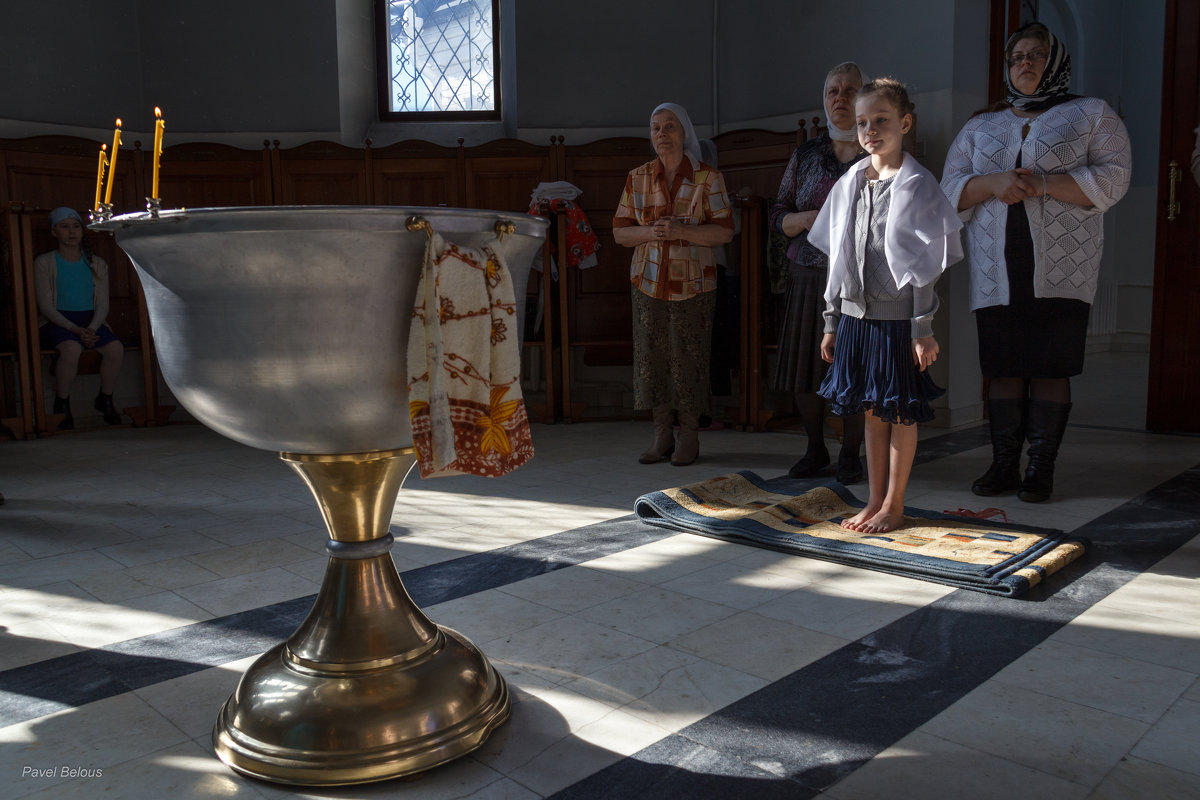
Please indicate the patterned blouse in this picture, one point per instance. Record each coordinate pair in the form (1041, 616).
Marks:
(811, 173)
(698, 197)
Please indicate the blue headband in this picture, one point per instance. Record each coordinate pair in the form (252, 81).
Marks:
(61, 213)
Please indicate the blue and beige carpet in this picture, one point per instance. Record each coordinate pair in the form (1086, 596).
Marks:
(792, 516)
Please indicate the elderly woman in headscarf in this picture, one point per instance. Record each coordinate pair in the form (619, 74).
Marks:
(814, 168)
(1033, 181)
(673, 211)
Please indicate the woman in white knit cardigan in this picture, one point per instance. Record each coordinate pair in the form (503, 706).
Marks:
(1032, 181)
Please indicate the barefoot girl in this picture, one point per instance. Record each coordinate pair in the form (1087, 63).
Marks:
(889, 232)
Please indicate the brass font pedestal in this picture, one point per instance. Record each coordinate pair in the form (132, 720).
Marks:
(368, 688)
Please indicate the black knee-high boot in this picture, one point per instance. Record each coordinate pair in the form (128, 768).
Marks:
(1047, 421)
(1007, 420)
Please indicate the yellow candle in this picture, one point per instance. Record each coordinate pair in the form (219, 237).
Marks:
(158, 136)
(100, 175)
(112, 165)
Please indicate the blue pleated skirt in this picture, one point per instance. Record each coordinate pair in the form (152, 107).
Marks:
(873, 370)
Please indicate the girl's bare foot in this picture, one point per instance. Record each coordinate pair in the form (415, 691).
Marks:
(882, 522)
(856, 522)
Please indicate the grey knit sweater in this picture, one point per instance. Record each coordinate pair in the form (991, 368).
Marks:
(870, 292)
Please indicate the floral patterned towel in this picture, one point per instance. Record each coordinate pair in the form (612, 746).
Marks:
(464, 365)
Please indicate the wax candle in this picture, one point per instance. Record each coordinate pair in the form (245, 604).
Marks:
(158, 137)
(112, 164)
(100, 175)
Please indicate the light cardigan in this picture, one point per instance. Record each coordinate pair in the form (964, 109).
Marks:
(921, 239)
(1082, 138)
(45, 278)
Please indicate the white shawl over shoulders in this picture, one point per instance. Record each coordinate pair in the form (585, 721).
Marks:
(922, 236)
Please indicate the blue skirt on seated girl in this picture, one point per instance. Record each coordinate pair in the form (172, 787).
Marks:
(53, 335)
(873, 370)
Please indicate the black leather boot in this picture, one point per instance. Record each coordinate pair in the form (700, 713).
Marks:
(62, 405)
(1047, 422)
(1007, 421)
(104, 404)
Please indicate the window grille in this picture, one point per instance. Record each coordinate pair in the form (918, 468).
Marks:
(442, 59)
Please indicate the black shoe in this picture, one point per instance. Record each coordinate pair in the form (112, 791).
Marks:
(104, 404)
(62, 405)
(809, 465)
(998, 479)
(849, 469)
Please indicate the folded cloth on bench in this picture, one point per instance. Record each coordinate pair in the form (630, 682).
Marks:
(464, 365)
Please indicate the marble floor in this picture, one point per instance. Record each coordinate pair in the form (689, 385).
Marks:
(142, 570)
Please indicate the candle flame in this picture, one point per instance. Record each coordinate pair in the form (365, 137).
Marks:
(118, 122)
(157, 112)
(103, 148)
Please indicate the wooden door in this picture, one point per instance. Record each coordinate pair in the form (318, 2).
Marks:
(1175, 328)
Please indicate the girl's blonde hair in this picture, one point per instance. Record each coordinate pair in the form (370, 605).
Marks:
(890, 89)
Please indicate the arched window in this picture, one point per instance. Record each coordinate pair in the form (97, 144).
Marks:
(439, 59)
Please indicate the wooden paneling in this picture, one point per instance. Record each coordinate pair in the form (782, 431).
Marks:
(415, 173)
(321, 174)
(599, 307)
(202, 175)
(52, 171)
(752, 161)
(502, 175)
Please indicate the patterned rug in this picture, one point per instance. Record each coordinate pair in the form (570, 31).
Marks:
(983, 555)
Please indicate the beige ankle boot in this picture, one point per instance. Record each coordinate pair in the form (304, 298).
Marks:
(664, 436)
(689, 440)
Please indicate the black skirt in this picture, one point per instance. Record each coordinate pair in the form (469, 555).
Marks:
(799, 368)
(1031, 337)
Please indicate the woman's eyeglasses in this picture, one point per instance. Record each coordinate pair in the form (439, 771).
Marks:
(1034, 56)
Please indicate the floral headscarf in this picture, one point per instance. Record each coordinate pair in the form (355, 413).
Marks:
(1052, 89)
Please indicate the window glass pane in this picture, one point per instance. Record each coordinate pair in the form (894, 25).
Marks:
(441, 55)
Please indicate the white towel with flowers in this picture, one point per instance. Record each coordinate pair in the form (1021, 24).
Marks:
(464, 365)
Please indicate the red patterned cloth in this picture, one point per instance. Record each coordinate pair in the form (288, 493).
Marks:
(464, 366)
(581, 239)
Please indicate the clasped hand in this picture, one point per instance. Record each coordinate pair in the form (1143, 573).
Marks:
(668, 229)
(88, 336)
(1015, 185)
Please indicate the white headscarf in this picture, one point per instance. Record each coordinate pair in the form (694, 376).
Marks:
(842, 134)
(691, 145)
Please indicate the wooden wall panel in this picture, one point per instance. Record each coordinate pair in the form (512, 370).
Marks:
(416, 173)
(204, 175)
(52, 171)
(415, 183)
(599, 306)
(321, 174)
(502, 175)
(752, 161)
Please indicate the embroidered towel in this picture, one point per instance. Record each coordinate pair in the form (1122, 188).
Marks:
(464, 365)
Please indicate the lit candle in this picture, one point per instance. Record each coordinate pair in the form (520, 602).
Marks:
(158, 134)
(112, 165)
(100, 175)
